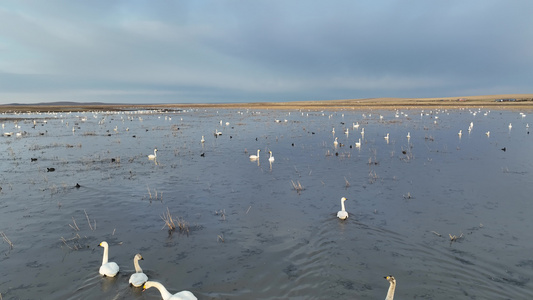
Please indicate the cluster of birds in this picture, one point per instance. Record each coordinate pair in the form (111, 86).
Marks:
(255, 157)
(138, 279)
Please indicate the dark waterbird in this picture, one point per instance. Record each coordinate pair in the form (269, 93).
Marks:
(50, 169)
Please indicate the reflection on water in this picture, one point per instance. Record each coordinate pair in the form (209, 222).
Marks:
(248, 232)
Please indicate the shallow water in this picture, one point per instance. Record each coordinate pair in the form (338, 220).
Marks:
(251, 235)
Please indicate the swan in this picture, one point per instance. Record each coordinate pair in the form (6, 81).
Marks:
(254, 157)
(510, 126)
(408, 135)
(487, 133)
(202, 140)
(335, 143)
(271, 158)
(342, 214)
(392, 287)
(358, 144)
(386, 137)
(109, 269)
(183, 295)
(153, 156)
(460, 132)
(138, 278)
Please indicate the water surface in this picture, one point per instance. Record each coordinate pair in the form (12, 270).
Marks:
(251, 235)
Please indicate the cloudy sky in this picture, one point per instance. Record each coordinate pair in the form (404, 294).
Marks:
(179, 51)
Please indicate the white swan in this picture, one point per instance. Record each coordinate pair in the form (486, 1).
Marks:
(408, 135)
(138, 278)
(271, 158)
(342, 214)
(335, 143)
(510, 126)
(254, 157)
(202, 140)
(487, 133)
(183, 295)
(153, 156)
(392, 287)
(460, 132)
(107, 268)
(358, 144)
(386, 137)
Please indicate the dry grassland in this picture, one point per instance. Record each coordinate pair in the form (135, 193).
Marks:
(520, 101)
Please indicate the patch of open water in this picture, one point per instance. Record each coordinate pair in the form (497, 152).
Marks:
(251, 235)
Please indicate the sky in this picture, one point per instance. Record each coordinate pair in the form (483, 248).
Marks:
(219, 51)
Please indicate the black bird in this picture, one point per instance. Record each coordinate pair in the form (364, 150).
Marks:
(202, 155)
(50, 169)
(33, 159)
(77, 185)
(504, 149)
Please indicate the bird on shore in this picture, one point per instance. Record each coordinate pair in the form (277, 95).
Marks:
(138, 278)
(153, 156)
(342, 214)
(392, 287)
(108, 268)
(166, 295)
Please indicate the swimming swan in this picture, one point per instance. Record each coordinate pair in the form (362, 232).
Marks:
(153, 156)
(254, 157)
(342, 214)
(358, 144)
(138, 278)
(183, 295)
(107, 268)
(202, 140)
(392, 287)
(271, 158)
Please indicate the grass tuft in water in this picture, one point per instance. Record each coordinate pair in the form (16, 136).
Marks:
(298, 187)
(6, 239)
(175, 223)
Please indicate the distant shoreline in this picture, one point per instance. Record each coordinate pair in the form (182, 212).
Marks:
(504, 102)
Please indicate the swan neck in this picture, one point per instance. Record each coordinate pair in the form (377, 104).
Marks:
(106, 255)
(137, 266)
(342, 206)
(164, 293)
(390, 293)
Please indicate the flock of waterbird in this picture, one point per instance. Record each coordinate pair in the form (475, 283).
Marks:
(355, 126)
(138, 279)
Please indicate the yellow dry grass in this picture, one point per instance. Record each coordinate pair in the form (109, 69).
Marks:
(523, 101)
